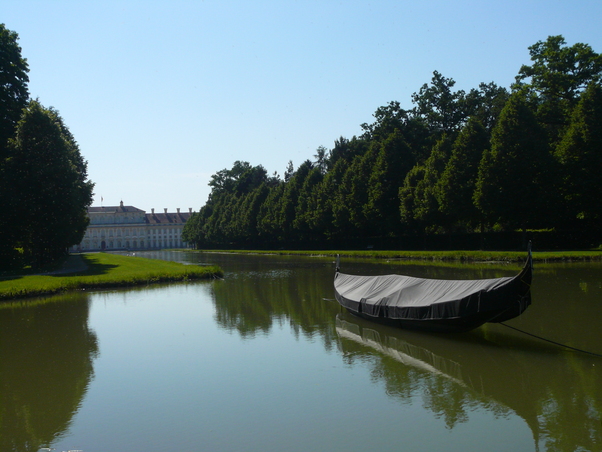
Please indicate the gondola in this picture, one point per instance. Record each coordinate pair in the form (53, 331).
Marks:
(435, 304)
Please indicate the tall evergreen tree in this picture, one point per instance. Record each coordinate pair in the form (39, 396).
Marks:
(408, 200)
(393, 161)
(426, 203)
(580, 155)
(13, 98)
(290, 199)
(332, 200)
(269, 221)
(13, 86)
(457, 183)
(50, 190)
(305, 223)
(355, 186)
(515, 181)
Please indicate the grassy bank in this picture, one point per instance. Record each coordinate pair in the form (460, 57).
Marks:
(101, 270)
(461, 256)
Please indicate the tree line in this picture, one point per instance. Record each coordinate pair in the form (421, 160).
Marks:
(44, 187)
(491, 159)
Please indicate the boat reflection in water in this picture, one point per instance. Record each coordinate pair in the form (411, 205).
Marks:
(459, 374)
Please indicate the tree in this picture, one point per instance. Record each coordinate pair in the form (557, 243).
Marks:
(13, 98)
(457, 183)
(388, 118)
(277, 214)
(320, 157)
(290, 171)
(345, 149)
(407, 197)
(442, 109)
(249, 215)
(191, 233)
(242, 178)
(486, 103)
(426, 203)
(306, 223)
(355, 188)
(13, 86)
(332, 200)
(411, 125)
(393, 161)
(557, 76)
(514, 185)
(50, 192)
(290, 199)
(268, 221)
(580, 154)
(559, 71)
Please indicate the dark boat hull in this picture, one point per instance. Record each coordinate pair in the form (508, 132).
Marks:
(451, 325)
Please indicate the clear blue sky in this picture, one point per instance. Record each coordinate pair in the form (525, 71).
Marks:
(160, 94)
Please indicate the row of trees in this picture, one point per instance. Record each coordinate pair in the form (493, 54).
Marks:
(44, 189)
(487, 159)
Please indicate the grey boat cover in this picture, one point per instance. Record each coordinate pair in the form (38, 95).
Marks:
(406, 297)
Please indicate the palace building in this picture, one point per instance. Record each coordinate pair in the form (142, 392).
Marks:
(129, 228)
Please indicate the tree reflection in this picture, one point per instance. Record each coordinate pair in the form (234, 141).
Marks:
(46, 356)
(250, 303)
(558, 398)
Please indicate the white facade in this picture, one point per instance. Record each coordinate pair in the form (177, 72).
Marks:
(129, 228)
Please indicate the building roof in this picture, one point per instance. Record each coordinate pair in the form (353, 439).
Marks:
(114, 209)
(167, 218)
(149, 218)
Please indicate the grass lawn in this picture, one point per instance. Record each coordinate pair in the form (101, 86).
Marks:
(101, 270)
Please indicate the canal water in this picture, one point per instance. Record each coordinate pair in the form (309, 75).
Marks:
(265, 360)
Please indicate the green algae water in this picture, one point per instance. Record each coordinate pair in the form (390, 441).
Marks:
(266, 360)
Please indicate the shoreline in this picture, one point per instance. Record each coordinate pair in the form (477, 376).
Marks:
(434, 256)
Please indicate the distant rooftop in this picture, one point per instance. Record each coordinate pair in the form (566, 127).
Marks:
(114, 209)
(151, 218)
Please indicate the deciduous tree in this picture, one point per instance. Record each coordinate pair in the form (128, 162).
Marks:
(558, 75)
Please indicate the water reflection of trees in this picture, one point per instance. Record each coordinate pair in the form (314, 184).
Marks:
(46, 356)
(558, 393)
(251, 302)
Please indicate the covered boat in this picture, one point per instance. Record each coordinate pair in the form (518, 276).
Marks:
(435, 304)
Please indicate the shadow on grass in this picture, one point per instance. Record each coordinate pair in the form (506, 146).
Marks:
(86, 266)
(10, 277)
(74, 265)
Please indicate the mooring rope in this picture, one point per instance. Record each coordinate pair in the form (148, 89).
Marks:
(551, 341)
